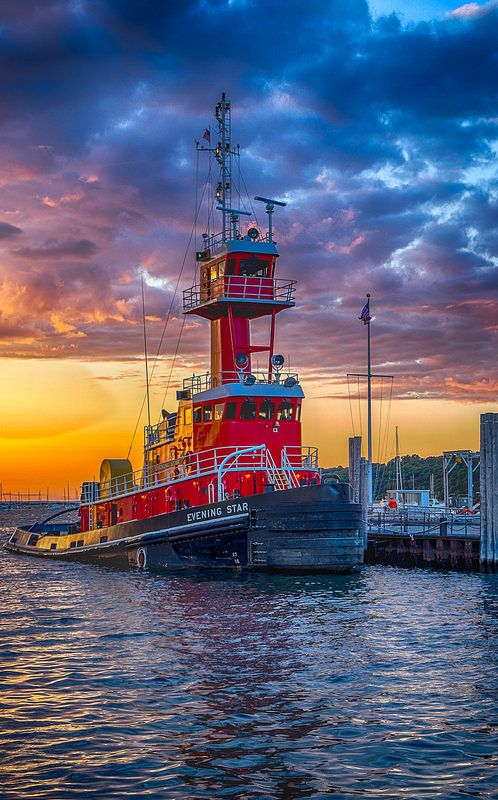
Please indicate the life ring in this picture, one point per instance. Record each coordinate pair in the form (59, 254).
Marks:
(142, 558)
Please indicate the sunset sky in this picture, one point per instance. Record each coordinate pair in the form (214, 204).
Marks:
(377, 123)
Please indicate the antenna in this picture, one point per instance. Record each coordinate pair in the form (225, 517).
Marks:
(270, 206)
(235, 213)
(270, 202)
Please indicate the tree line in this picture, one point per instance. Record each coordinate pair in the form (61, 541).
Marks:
(416, 472)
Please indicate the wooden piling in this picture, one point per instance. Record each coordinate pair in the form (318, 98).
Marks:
(364, 498)
(489, 491)
(354, 466)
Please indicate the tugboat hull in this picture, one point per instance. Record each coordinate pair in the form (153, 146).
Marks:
(312, 528)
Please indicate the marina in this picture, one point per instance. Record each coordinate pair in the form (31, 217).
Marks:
(248, 400)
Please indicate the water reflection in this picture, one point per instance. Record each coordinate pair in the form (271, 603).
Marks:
(380, 684)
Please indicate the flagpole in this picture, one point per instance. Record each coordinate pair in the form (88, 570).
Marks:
(369, 409)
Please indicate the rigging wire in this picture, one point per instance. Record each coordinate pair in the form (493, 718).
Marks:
(376, 475)
(351, 406)
(251, 205)
(384, 469)
(359, 407)
(168, 316)
(147, 381)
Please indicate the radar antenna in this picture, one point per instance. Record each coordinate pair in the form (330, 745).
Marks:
(270, 207)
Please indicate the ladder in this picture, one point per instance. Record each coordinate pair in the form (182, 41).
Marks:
(281, 477)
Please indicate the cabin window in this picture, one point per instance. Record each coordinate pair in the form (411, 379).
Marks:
(53, 546)
(208, 413)
(188, 415)
(230, 266)
(72, 544)
(198, 414)
(231, 411)
(218, 410)
(285, 410)
(248, 409)
(266, 409)
(80, 543)
(254, 267)
(103, 539)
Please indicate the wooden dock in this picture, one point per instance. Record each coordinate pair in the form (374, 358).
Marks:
(461, 553)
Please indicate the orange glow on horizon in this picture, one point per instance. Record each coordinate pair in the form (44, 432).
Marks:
(60, 419)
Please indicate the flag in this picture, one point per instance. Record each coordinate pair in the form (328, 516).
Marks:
(365, 313)
(206, 135)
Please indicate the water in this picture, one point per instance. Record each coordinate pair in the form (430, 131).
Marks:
(132, 685)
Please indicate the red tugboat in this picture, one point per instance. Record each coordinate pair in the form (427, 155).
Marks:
(226, 481)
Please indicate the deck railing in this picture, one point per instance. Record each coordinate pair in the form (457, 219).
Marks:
(214, 243)
(297, 457)
(216, 461)
(239, 287)
(208, 380)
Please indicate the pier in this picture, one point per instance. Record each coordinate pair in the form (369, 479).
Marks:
(440, 538)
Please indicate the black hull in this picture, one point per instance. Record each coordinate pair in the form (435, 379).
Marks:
(312, 528)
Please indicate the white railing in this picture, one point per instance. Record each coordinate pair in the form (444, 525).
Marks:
(201, 383)
(239, 287)
(214, 243)
(296, 457)
(231, 462)
(217, 461)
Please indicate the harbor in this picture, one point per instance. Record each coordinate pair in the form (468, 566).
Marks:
(248, 401)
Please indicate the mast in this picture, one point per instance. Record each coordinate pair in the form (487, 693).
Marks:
(223, 156)
(369, 412)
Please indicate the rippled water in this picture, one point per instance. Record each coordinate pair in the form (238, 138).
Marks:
(127, 684)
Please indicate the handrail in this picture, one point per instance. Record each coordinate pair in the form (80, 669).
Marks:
(299, 457)
(221, 472)
(208, 380)
(240, 287)
(217, 242)
(203, 463)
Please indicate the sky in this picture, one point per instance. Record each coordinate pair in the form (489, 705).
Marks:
(377, 124)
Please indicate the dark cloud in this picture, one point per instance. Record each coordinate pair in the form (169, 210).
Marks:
(7, 230)
(82, 248)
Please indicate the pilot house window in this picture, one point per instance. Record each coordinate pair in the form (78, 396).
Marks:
(266, 409)
(248, 410)
(285, 410)
(254, 267)
(231, 411)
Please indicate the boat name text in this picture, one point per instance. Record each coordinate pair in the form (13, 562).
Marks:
(209, 513)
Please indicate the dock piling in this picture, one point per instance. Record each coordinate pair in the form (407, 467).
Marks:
(354, 466)
(489, 491)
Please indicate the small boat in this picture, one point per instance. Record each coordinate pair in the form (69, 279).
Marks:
(226, 481)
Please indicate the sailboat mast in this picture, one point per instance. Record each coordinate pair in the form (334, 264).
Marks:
(399, 476)
(369, 410)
